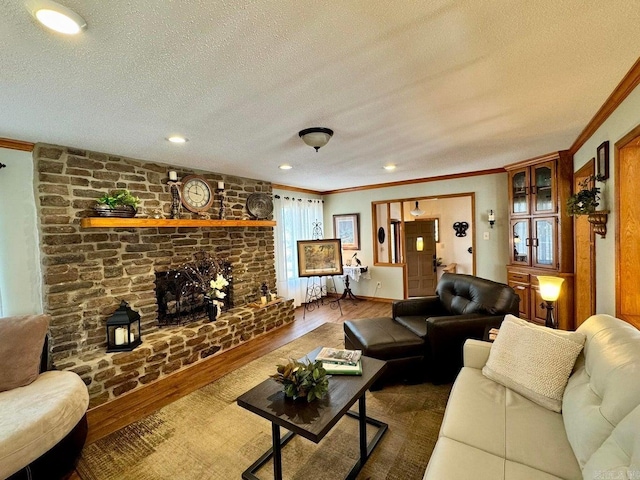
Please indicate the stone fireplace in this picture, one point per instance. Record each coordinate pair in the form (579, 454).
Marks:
(88, 271)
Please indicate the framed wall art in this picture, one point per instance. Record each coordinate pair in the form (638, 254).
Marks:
(319, 258)
(346, 227)
(602, 160)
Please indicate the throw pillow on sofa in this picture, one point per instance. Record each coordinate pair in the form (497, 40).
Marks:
(21, 342)
(534, 361)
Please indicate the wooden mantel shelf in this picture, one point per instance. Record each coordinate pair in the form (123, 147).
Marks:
(110, 222)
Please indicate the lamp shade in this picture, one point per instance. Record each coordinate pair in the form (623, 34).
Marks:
(550, 287)
(316, 137)
(416, 212)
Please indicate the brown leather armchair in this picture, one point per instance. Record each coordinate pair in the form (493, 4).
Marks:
(463, 308)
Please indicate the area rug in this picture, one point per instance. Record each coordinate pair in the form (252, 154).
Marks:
(205, 435)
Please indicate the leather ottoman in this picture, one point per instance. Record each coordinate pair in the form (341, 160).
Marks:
(385, 339)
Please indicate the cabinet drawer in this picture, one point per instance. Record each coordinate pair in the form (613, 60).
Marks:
(518, 277)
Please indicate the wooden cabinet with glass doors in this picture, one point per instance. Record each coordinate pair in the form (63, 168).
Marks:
(541, 233)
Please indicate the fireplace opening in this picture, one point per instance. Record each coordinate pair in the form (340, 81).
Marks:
(183, 294)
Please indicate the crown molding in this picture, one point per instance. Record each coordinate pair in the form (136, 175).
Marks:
(417, 180)
(630, 81)
(16, 145)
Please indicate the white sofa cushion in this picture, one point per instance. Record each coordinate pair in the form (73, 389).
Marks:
(37, 416)
(485, 415)
(534, 361)
(605, 386)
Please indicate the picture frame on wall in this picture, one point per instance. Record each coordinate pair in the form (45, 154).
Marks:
(319, 258)
(602, 160)
(346, 227)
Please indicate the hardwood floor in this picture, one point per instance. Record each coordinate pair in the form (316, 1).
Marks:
(114, 415)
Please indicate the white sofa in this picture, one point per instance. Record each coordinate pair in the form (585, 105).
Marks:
(489, 432)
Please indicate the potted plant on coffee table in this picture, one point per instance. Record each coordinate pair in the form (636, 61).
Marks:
(119, 203)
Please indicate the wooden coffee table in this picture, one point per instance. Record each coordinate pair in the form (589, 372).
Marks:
(314, 420)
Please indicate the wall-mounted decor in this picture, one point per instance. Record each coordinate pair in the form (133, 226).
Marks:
(602, 160)
(461, 228)
(346, 227)
(319, 258)
(381, 235)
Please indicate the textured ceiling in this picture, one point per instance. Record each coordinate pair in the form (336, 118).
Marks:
(436, 87)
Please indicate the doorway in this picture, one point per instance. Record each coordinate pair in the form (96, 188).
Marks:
(420, 243)
(627, 170)
(585, 255)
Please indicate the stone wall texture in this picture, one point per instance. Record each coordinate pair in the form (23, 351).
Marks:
(87, 272)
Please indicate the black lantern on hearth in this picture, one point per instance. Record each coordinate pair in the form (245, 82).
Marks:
(123, 329)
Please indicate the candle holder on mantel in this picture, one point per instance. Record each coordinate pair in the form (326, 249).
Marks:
(123, 329)
(599, 222)
(220, 191)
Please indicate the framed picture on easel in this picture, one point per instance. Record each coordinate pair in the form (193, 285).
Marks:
(319, 258)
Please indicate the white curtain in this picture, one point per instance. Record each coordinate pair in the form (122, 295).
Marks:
(295, 218)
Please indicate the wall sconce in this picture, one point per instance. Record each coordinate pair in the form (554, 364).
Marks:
(599, 222)
(419, 244)
(220, 191)
(550, 291)
(492, 218)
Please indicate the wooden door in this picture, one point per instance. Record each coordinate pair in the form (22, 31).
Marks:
(628, 229)
(420, 265)
(585, 256)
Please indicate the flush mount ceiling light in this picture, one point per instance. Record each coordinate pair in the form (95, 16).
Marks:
(389, 167)
(416, 212)
(177, 139)
(316, 137)
(285, 166)
(56, 17)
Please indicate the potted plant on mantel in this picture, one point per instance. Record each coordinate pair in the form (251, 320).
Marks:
(120, 203)
(585, 202)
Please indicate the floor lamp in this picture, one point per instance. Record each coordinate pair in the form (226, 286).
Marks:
(550, 291)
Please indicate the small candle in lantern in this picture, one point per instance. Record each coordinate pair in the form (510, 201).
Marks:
(120, 335)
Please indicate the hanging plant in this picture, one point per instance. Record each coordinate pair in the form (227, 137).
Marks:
(587, 199)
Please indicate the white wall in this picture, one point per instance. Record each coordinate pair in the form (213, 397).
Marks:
(20, 273)
(624, 119)
(491, 255)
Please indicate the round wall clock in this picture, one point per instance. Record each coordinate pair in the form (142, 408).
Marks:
(197, 194)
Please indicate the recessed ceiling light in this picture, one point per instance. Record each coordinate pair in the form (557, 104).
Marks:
(389, 167)
(177, 139)
(285, 166)
(56, 17)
